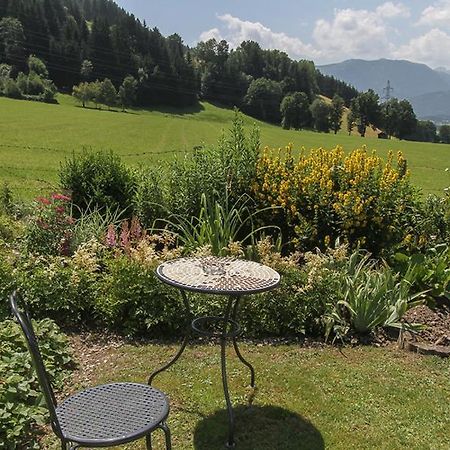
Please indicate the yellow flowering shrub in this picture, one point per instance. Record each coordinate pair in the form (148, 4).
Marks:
(326, 194)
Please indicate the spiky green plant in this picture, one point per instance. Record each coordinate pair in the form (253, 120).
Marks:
(217, 225)
(372, 297)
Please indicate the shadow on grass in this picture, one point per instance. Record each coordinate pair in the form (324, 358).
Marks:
(172, 110)
(111, 110)
(176, 110)
(258, 428)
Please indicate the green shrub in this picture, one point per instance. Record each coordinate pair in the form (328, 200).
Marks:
(21, 402)
(50, 90)
(62, 288)
(98, 181)
(9, 229)
(10, 89)
(134, 301)
(35, 85)
(50, 230)
(114, 285)
(288, 311)
(22, 82)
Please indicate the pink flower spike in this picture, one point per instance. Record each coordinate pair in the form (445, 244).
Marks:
(43, 200)
(125, 236)
(135, 230)
(111, 239)
(60, 197)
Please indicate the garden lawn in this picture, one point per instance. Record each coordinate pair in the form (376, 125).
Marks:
(36, 137)
(307, 398)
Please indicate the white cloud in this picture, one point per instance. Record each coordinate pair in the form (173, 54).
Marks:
(213, 33)
(432, 48)
(435, 14)
(355, 33)
(237, 30)
(350, 33)
(390, 10)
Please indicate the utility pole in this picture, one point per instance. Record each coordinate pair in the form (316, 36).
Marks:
(387, 91)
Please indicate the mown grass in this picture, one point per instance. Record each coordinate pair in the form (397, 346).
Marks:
(311, 399)
(35, 138)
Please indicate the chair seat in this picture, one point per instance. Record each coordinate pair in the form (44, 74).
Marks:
(112, 414)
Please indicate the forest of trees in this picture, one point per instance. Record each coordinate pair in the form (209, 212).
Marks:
(104, 55)
(65, 34)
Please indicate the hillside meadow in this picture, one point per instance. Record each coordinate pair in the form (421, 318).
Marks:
(35, 138)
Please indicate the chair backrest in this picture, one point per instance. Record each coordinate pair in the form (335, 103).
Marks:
(27, 327)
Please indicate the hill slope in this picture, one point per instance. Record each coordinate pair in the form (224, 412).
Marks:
(35, 138)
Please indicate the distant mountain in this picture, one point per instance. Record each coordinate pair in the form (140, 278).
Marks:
(434, 106)
(442, 69)
(428, 89)
(407, 78)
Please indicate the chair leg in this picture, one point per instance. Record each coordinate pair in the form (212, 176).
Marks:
(69, 446)
(166, 430)
(148, 441)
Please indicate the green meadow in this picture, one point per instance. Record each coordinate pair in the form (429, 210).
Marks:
(35, 138)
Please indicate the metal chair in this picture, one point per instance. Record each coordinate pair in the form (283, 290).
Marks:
(102, 416)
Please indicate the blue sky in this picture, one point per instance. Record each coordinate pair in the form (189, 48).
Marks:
(322, 30)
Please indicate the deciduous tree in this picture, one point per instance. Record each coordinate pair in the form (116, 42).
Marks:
(37, 66)
(263, 99)
(83, 93)
(336, 113)
(86, 69)
(444, 134)
(366, 111)
(107, 93)
(12, 40)
(127, 92)
(398, 118)
(295, 111)
(320, 112)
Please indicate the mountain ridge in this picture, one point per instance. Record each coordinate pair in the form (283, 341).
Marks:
(409, 79)
(416, 82)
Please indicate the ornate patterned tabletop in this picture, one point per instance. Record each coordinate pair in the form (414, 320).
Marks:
(218, 275)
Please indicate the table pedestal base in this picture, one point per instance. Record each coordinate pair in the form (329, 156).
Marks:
(227, 320)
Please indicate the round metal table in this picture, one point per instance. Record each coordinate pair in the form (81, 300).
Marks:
(222, 276)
